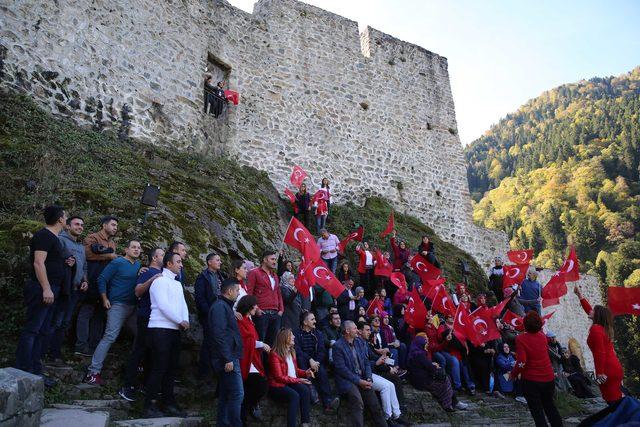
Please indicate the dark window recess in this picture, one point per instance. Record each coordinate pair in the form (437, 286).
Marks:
(438, 193)
(429, 126)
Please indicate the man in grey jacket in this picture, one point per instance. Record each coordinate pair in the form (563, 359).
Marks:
(66, 304)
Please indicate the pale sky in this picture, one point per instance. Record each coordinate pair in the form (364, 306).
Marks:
(502, 53)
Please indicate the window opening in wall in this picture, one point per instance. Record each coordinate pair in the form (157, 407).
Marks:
(216, 87)
(438, 193)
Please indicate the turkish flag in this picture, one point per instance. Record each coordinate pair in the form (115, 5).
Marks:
(390, 226)
(520, 257)
(442, 302)
(485, 325)
(424, 268)
(383, 266)
(514, 274)
(292, 199)
(325, 278)
(376, 307)
(555, 288)
(298, 237)
(429, 284)
(514, 320)
(297, 176)
(354, 235)
(416, 313)
(571, 267)
(321, 194)
(399, 280)
(547, 317)
(232, 96)
(304, 279)
(497, 309)
(624, 300)
(464, 328)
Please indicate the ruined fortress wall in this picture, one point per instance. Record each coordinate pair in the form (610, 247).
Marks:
(371, 112)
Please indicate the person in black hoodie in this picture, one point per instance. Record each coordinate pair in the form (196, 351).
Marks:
(207, 291)
(303, 203)
(427, 249)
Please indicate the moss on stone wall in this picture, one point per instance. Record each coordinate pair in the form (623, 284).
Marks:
(209, 203)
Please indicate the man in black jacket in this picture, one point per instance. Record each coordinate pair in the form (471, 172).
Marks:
(226, 351)
(206, 292)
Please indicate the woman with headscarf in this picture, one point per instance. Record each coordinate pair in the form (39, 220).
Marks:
(401, 253)
(294, 303)
(429, 376)
(427, 249)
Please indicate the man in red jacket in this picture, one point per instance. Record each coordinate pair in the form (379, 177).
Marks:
(263, 283)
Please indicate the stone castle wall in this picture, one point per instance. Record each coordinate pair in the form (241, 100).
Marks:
(370, 112)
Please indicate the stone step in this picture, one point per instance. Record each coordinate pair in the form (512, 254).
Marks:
(106, 403)
(52, 417)
(162, 422)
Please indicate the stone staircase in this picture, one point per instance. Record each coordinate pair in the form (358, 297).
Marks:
(87, 405)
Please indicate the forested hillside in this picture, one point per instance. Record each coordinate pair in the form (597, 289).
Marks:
(563, 169)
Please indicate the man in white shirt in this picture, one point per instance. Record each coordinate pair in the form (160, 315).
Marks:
(169, 315)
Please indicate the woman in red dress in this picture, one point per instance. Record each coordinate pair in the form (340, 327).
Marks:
(609, 372)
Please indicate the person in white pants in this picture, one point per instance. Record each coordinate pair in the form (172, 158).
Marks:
(387, 390)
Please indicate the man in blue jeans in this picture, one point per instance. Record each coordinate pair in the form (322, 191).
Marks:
(41, 290)
(226, 351)
(117, 284)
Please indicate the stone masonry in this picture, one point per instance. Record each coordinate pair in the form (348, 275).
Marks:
(372, 113)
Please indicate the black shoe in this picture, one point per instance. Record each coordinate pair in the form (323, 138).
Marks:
(400, 420)
(48, 381)
(471, 392)
(128, 393)
(175, 411)
(392, 423)
(152, 411)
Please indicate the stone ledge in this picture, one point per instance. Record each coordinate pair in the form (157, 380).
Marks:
(73, 418)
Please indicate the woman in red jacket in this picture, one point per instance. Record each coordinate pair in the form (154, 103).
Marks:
(253, 376)
(534, 368)
(366, 269)
(287, 382)
(609, 372)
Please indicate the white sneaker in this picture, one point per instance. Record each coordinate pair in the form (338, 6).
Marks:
(461, 406)
(521, 399)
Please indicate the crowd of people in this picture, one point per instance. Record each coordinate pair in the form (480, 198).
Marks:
(262, 336)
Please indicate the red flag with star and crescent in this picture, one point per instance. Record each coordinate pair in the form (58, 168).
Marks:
(424, 268)
(547, 317)
(514, 274)
(390, 226)
(429, 284)
(496, 310)
(298, 237)
(292, 199)
(376, 306)
(297, 176)
(555, 288)
(514, 320)
(399, 280)
(325, 278)
(442, 302)
(485, 325)
(624, 300)
(571, 267)
(463, 327)
(304, 279)
(523, 256)
(416, 312)
(321, 194)
(383, 266)
(354, 235)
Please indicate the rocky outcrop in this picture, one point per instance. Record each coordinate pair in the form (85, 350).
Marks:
(21, 398)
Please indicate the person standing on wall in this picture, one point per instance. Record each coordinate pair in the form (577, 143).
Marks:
(327, 188)
(41, 290)
(531, 293)
(100, 250)
(226, 352)
(169, 315)
(140, 351)
(303, 203)
(209, 94)
(321, 203)
(366, 268)
(117, 284)
(263, 282)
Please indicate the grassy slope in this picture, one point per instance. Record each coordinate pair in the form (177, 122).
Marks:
(211, 204)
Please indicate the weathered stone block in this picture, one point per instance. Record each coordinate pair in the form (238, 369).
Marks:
(21, 398)
(73, 418)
